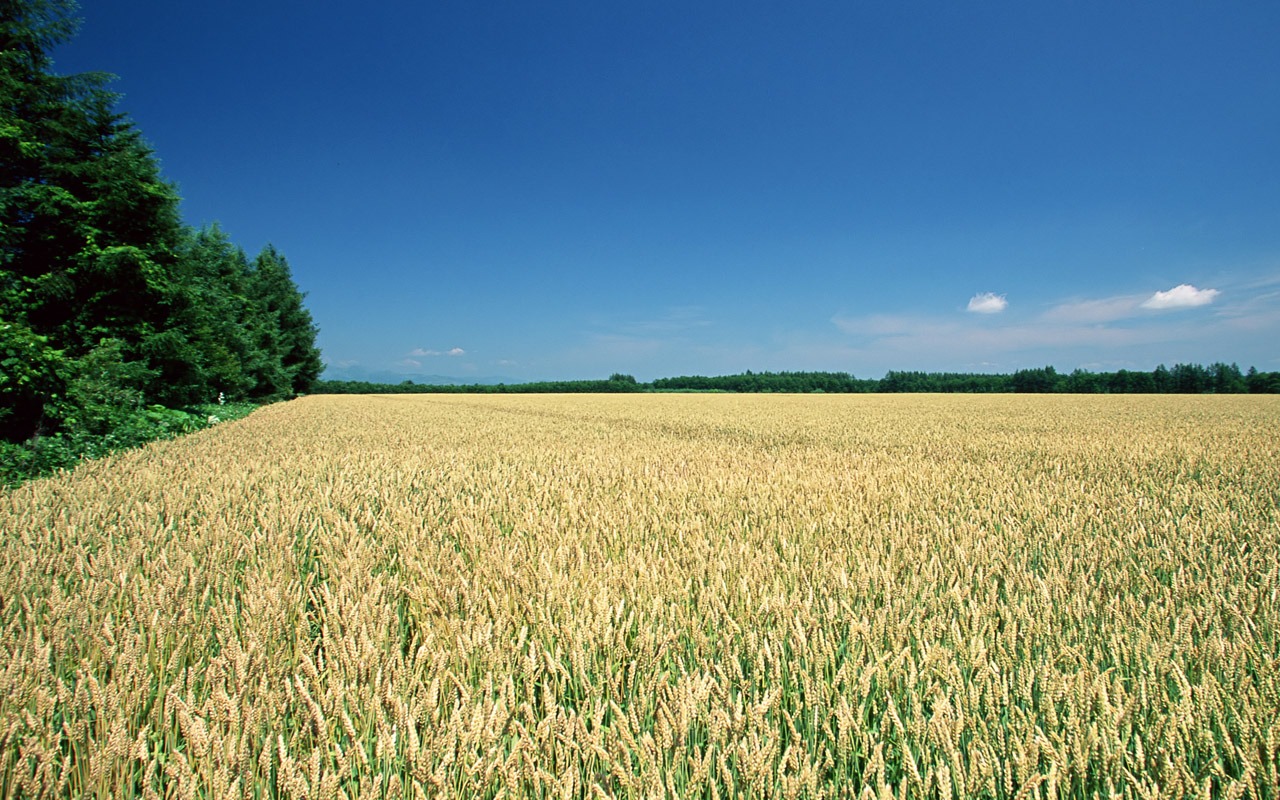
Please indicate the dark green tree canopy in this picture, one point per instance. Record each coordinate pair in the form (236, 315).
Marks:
(280, 304)
(98, 274)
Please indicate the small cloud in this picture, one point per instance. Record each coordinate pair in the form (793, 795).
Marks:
(1183, 295)
(987, 303)
(409, 362)
(419, 352)
(1094, 312)
(457, 351)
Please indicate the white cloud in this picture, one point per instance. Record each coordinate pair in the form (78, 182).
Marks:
(907, 342)
(409, 362)
(1113, 331)
(1181, 296)
(987, 303)
(1108, 309)
(422, 352)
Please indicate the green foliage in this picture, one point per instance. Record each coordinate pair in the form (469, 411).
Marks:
(45, 454)
(110, 308)
(1219, 378)
(795, 382)
(540, 387)
(1262, 382)
(1035, 380)
(213, 308)
(895, 381)
(29, 378)
(281, 312)
(103, 390)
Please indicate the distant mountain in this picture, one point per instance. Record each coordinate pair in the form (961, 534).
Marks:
(357, 373)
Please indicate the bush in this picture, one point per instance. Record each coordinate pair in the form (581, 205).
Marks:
(43, 455)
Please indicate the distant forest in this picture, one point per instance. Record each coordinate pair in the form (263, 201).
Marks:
(118, 322)
(1181, 379)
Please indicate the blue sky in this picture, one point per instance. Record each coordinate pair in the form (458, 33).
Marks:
(566, 190)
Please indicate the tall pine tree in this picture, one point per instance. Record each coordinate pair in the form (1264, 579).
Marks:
(88, 224)
(280, 305)
(107, 301)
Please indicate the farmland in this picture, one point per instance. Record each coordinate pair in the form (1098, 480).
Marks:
(657, 595)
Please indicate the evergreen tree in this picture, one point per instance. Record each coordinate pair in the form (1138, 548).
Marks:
(1227, 379)
(87, 226)
(287, 332)
(108, 303)
(215, 310)
(1035, 380)
(31, 103)
(1190, 379)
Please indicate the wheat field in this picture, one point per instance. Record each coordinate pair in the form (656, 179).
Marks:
(713, 596)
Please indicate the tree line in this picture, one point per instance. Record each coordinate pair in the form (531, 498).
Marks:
(117, 320)
(1216, 378)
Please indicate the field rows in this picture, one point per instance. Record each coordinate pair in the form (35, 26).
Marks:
(658, 595)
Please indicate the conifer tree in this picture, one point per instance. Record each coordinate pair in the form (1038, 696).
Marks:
(108, 303)
(87, 225)
(280, 304)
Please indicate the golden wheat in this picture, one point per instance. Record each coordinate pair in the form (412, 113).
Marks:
(656, 596)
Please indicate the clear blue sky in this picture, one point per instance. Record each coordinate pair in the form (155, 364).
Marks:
(566, 190)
